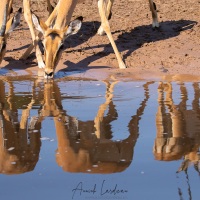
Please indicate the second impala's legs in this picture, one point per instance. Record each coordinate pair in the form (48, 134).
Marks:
(106, 27)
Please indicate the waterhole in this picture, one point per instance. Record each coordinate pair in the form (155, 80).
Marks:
(90, 139)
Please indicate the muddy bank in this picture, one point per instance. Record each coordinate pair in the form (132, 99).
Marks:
(172, 51)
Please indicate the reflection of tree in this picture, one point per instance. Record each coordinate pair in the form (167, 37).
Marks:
(178, 130)
(19, 144)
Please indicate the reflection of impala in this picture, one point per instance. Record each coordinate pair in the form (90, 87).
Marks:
(87, 146)
(82, 146)
(178, 130)
(19, 145)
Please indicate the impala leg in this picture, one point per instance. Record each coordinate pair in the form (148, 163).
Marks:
(109, 9)
(106, 27)
(28, 18)
(52, 16)
(154, 14)
(108, 16)
(49, 21)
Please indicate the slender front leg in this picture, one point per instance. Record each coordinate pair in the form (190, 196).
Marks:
(28, 18)
(154, 14)
(106, 27)
(108, 16)
(51, 19)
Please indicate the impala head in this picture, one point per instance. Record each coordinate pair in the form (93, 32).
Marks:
(6, 28)
(53, 42)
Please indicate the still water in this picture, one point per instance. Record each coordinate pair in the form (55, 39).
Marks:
(88, 139)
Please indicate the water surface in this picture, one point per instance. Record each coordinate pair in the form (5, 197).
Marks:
(89, 139)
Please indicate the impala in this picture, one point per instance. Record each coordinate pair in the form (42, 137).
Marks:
(7, 24)
(58, 27)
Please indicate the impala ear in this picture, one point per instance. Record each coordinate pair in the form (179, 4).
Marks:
(73, 27)
(39, 24)
(14, 21)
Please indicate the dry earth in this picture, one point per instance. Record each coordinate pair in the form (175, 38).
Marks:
(173, 50)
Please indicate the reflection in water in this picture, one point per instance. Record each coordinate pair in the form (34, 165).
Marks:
(87, 146)
(86, 142)
(92, 149)
(83, 146)
(19, 145)
(178, 129)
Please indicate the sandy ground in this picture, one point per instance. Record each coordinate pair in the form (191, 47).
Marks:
(173, 50)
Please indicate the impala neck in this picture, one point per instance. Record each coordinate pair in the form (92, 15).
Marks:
(65, 10)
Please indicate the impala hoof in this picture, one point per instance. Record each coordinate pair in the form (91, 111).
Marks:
(122, 65)
(101, 31)
(155, 24)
